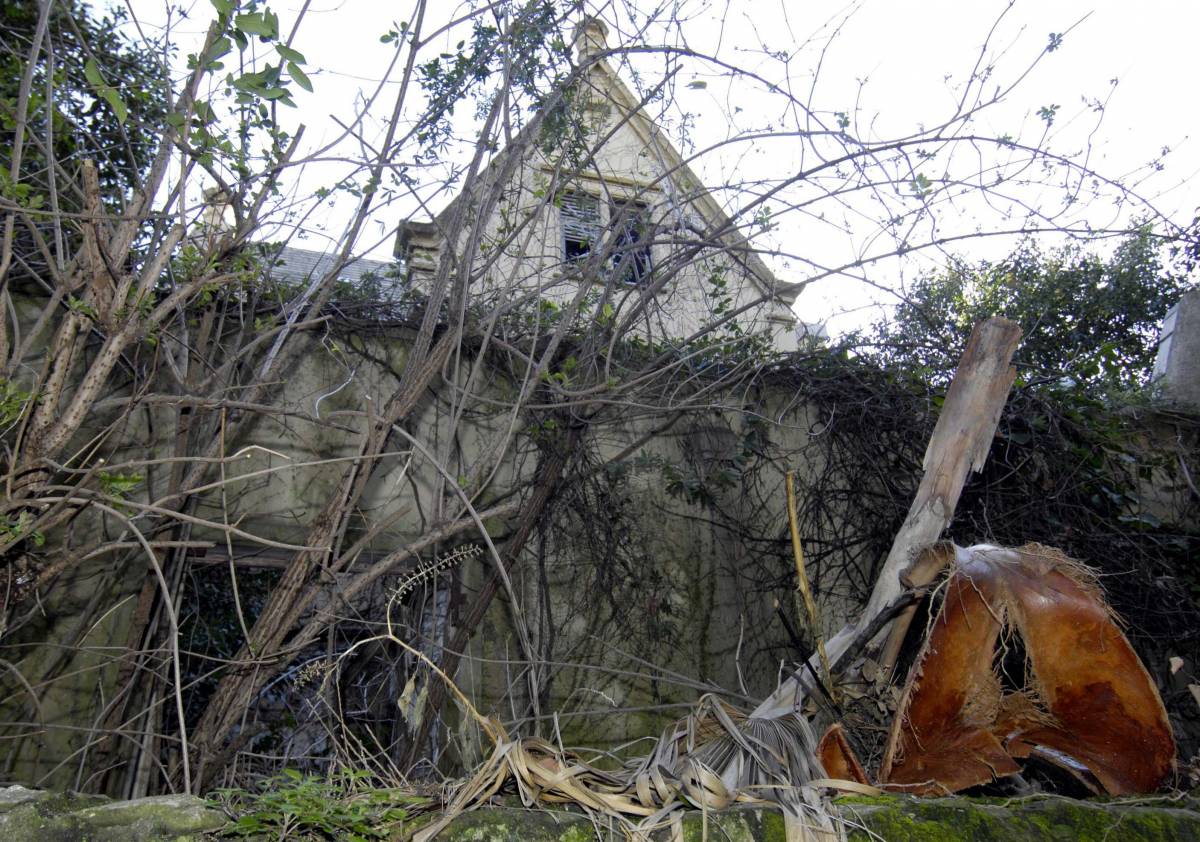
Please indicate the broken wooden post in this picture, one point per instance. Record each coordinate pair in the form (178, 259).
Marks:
(959, 444)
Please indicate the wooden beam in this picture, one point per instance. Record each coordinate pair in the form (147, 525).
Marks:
(959, 444)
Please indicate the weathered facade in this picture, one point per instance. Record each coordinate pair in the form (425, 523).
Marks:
(643, 587)
(606, 206)
(659, 569)
(1177, 365)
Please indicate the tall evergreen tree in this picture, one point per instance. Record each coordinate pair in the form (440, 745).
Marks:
(1091, 319)
(93, 94)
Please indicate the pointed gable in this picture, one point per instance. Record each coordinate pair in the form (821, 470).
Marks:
(622, 205)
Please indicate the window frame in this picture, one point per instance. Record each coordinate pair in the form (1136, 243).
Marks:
(632, 257)
(575, 227)
(584, 218)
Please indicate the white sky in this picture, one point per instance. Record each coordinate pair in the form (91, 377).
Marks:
(893, 65)
(912, 57)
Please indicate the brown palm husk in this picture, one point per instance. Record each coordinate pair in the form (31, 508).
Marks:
(1084, 703)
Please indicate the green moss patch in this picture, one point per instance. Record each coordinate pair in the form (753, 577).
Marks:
(32, 816)
(953, 819)
(889, 818)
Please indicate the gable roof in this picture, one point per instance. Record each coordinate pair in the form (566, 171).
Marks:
(591, 43)
(297, 265)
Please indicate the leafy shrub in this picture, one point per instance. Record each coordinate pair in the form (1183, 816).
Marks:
(293, 806)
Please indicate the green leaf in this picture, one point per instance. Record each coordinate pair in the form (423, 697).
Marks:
(118, 105)
(217, 49)
(204, 112)
(119, 484)
(78, 305)
(921, 185)
(249, 82)
(289, 54)
(223, 7)
(299, 75)
(255, 23)
(92, 73)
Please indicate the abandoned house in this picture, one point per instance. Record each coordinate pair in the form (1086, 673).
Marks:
(625, 232)
(654, 573)
(606, 209)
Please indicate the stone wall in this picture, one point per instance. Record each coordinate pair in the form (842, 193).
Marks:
(654, 578)
(28, 815)
(39, 816)
(884, 819)
(649, 569)
(1177, 366)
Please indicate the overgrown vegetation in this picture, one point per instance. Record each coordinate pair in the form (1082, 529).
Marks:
(1087, 321)
(1096, 478)
(173, 410)
(345, 806)
(107, 99)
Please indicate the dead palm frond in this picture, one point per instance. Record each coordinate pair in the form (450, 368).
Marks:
(712, 758)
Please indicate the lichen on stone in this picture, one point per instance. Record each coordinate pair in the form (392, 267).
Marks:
(35, 816)
(890, 818)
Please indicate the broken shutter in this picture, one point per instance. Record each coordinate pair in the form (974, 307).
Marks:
(580, 215)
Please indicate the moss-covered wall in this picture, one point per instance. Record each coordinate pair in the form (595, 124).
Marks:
(34, 816)
(649, 581)
(38, 816)
(893, 819)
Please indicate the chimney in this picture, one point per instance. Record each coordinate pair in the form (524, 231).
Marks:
(591, 38)
(1177, 365)
(217, 216)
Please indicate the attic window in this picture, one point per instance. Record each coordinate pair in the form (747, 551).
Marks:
(631, 258)
(580, 215)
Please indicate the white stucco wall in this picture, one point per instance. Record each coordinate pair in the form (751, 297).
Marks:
(520, 255)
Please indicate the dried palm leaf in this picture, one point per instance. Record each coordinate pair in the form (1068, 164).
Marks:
(709, 760)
